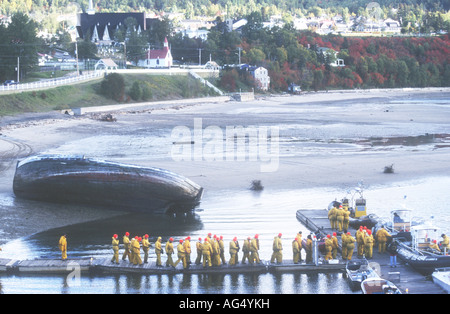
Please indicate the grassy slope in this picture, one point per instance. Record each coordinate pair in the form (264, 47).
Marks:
(163, 87)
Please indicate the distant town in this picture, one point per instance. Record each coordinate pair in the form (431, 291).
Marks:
(275, 53)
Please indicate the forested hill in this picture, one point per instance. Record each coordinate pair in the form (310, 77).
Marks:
(204, 7)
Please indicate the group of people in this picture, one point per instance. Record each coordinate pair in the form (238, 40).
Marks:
(210, 250)
(364, 242)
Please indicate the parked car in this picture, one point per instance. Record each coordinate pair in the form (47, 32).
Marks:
(9, 82)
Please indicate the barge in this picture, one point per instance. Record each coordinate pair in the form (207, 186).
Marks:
(81, 180)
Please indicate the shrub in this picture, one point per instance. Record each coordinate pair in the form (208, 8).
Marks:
(146, 91)
(135, 91)
(113, 86)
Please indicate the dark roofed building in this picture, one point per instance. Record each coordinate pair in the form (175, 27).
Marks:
(102, 26)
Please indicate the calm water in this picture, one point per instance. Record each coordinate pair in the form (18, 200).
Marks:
(227, 213)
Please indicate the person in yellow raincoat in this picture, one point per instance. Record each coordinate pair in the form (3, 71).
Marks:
(181, 252)
(215, 251)
(277, 248)
(199, 247)
(234, 249)
(360, 241)
(368, 244)
(344, 245)
(136, 249)
(206, 252)
(158, 252)
(382, 237)
(63, 247)
(169, 252)
(340, 218)
(187, 249)
(328, 247)
(222, 250)
(246, 250)
(299, 240)
(254, 248)
(145, 247)
(350, 243)
(335, 245)
(309, 249)
(332, 217)
(295, 251)
(127, 247)
(115, 247)
(346, 219)
(445, 243)
(434, 246)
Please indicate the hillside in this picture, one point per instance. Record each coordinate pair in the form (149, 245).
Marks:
(88, 94)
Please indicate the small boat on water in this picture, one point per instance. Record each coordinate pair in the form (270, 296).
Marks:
(357, 271)
(81, 180)
(441, 276)
(379, 286)
(418, 253)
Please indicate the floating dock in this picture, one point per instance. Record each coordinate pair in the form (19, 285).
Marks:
(403, 276)
(406, 278)
(105, 266)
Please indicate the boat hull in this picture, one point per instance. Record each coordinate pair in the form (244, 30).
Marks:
(82, 180)
(424, 264)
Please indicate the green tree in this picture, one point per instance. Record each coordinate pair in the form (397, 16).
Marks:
(113, 87)
(19, 41)
(135, 91)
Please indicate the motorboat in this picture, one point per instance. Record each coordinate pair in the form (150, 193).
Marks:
(418, 253)
(357, 271)
(357, 206)
(82, 180)
(441, 276)
(379, 286)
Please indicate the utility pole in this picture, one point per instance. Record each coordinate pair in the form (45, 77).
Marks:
(240, 49)
(76, 54)
(200, 56)
(18, 69)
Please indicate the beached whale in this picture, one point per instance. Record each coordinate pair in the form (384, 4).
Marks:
(81, 180)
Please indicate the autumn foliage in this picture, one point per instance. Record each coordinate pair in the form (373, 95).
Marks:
(370, 62)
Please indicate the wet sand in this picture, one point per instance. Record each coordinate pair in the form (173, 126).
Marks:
(324, 139)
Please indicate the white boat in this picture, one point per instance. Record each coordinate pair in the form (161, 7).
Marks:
(357, 271)
(441, 276)
(379, 286)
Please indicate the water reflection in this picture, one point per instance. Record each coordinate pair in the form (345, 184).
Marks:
(180, 284)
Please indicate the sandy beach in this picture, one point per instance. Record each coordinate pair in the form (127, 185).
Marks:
(334, 138)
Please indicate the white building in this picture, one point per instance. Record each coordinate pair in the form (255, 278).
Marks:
(261, 76)
(157, 58)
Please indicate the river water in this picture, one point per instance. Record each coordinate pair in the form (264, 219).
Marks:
(224, 213)
(240, 212)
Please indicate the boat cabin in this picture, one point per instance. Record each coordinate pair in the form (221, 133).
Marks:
(360, 207)
(401, 220)
(423, 236)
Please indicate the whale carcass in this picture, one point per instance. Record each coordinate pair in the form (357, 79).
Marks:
(81, 180)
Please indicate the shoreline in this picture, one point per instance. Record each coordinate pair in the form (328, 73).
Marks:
(143, 137)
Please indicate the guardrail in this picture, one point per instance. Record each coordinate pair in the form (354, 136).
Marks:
(51, 82)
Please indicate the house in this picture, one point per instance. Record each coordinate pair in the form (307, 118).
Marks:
(262, 77)
(260, 74)
(336, 62)
(235, 25)
(157, 58)
(392, 26)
